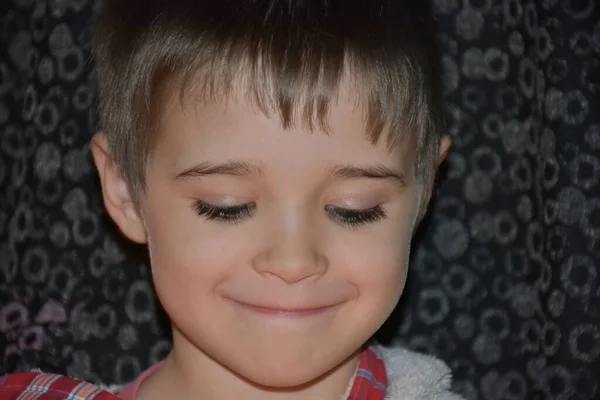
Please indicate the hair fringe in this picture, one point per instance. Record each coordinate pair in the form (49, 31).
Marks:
(291, 57)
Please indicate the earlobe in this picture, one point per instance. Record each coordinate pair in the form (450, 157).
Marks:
(115, 192)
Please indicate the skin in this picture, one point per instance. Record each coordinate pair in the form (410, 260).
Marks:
(323, 286)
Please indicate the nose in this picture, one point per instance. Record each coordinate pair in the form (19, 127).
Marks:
(291, 252)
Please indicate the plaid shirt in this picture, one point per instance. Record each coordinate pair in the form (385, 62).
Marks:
(40, 386)
(370, 383)
(370, 379)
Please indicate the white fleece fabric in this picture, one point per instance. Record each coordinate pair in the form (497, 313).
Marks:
(415, 376)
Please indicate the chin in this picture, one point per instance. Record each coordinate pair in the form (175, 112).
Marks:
(282, 376)
(287, 380)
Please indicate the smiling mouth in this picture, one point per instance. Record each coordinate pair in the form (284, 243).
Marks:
(278, 311)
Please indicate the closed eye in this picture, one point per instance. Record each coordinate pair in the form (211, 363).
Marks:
(356, 218)
(223, 214)
(344, 216)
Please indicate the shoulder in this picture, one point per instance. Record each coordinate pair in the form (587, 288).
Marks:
(415, 376)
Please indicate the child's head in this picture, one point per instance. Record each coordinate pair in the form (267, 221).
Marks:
(275, 155)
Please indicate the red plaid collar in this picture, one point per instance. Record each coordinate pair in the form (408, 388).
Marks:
(40, 386)
(370, 378)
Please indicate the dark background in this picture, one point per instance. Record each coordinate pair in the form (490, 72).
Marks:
(504, 283)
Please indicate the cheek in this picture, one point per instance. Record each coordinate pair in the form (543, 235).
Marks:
(191, 258)
(181, 240)
(377, 265)
(382, 276)
(186, 274)
(186, 259)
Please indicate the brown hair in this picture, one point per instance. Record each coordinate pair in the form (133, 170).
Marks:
(290, 54)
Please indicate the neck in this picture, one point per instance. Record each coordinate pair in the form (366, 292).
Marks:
(189, 373)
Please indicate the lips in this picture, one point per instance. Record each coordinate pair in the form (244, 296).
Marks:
(285, 302)
(284, 310)
(291, 312)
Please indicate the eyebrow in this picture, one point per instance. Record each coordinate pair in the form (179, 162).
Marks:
(379, 171)
(241, 168)
(232, 168)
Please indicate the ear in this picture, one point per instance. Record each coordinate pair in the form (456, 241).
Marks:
(444, 147)
(116, 193)
(442, 153)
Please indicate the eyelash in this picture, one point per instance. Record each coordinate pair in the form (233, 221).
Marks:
(223, 214)
(356, 218)
(344, 216)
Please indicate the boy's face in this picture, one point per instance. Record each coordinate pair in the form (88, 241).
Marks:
(275, 253)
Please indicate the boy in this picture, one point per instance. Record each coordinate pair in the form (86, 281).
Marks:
(276, 157)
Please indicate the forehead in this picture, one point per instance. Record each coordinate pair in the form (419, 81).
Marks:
(195, 134)
(344, 113)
